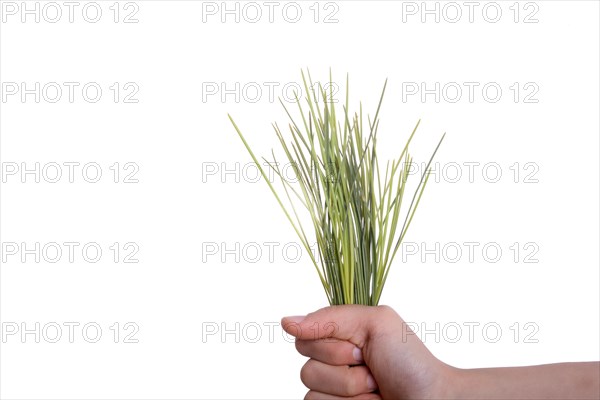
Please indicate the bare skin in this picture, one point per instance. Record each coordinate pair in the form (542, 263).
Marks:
(370, 353)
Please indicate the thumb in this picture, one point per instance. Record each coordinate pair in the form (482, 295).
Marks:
(354, 323)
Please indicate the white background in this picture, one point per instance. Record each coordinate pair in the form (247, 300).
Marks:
(179, 137)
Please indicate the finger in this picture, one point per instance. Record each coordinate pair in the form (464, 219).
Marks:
(337, 380)
(330, 351)
(312, 395)
(353, 323)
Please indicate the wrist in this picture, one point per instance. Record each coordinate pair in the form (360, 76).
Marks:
(450, 383)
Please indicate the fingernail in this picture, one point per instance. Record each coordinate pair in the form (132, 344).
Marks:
(371, 384)
(357, 353)
(294, 319)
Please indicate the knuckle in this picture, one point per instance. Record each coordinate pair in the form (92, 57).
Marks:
(386, 310)
(333, 354)
(310, 395)
(305, 373)
(350, 386)
(300, 346)
(356, 379)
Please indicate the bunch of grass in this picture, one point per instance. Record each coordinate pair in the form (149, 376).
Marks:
(355, 209)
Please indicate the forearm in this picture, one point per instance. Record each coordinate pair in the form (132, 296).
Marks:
(552, 381)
